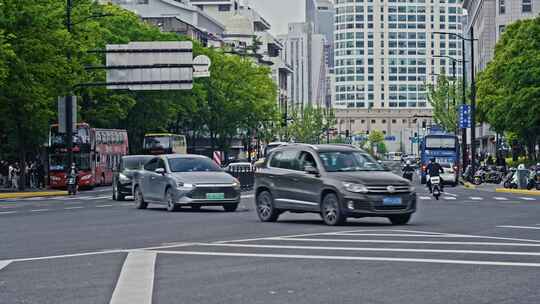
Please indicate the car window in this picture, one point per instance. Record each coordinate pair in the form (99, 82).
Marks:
(193, 165)
(343, 161)
(151, 165)
(306, 159)
(161, 164)
(286, 160)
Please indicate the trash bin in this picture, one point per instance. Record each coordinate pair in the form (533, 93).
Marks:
(522, 177)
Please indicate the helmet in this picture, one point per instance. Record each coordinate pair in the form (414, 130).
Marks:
(408, 162)
(521, 167)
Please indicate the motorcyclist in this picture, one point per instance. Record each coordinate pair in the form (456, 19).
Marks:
(73, 173)
(433, 169)
(408, 170)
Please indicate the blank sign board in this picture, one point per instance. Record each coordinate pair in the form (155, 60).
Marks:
(140, 66)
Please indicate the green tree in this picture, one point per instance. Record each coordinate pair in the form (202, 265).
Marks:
(509, 88)
(307, 125)
(445, 98)
(376, 143)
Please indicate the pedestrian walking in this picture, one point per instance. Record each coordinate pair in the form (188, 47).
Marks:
(4, 172)
(40, 170)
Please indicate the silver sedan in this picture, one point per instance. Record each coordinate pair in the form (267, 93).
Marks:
(185, 180)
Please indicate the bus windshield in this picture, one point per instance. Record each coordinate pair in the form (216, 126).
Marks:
(58, 162)
(440, 143)
(80, 137)
(157, 142)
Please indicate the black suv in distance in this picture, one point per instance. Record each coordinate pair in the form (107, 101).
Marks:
(125, 173)
(337, 181)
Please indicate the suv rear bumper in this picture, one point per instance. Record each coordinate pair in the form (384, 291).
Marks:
(372, 205)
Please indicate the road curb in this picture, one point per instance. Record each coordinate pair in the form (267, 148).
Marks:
(32, 194)
(518, 191)
(469, 186)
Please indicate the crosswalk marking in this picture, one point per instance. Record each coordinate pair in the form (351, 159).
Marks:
(476, 198)
(7, 212)
(424, 250)
(352, 258)
(528, 198)
(40, 210)
(519, 227)
(136, 281)
(402, 242)
(3, 264)
(425, 198)
(73, 208)
(500, 198)
(104, 206)
(449, 198)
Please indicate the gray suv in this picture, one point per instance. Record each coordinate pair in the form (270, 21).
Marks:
(337, 181)
(185, 180)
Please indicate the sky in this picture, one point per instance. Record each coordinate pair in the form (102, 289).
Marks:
(280, 13)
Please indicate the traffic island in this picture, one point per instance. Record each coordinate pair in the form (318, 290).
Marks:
(518, 191)
(12, 195)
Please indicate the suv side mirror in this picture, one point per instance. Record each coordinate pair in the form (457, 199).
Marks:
(311, 170)
(160, 171)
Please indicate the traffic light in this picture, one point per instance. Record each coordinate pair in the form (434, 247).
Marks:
(347, 133)
(415, 134)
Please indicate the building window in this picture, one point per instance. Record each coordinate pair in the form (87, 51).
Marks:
(502, 7)
(501, 29)
(394, 121)
(224, 7)
(526, 6)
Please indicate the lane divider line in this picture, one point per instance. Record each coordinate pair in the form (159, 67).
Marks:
(3, 264)
(136, 281)
(7, 212)
(519, 227)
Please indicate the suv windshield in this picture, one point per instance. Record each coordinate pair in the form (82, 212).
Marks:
(193, 165)
(133, 163)
(346, 161)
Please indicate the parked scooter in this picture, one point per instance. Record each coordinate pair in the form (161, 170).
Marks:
(478, 177)
(534, 179)
(493, 176)
(508, 181)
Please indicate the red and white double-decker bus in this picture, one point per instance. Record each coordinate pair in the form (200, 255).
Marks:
(96, 152)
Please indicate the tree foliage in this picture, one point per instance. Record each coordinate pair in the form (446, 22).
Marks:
(509, 88)
(310, 123)
(445, 97)
(35, 70)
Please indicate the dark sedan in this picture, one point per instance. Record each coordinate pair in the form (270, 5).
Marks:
(123, 177)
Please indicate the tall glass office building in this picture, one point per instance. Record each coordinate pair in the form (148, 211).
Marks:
(384, 50)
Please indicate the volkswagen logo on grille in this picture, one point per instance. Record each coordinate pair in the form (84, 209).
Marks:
(391, 189)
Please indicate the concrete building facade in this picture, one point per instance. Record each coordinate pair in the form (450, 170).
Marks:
(384, 57)
(487, 20)
(179, 17)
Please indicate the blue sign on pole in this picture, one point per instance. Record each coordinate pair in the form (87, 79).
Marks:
(465, 116)
(390, 138)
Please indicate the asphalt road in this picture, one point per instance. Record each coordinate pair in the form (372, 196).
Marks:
(470, 247)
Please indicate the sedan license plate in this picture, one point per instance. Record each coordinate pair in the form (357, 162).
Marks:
(215, 196)
(392, 201)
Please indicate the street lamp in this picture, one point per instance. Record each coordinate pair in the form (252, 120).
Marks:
(473, 95)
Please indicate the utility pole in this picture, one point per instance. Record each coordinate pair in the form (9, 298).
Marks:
(69, 99)
(473, 104)
(464, 102)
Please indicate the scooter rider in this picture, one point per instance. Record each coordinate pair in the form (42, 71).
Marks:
(73, 173)
(433, 169)
(408, 171)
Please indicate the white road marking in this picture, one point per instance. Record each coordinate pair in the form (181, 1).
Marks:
(476, 198)
(3, 264)
(500, 198)
(449, 198)
(403, 242)
(104, 206)
(7, 212)
(248, 196)
(351, 258)
(96, 198)
(425, 198)
(40, 210)
(73, 208)
(406, 235)
(519, 227)
(451, 194)
(528, 198)
(374, 249)
(126, 204)
(136, 281)
(35, 199)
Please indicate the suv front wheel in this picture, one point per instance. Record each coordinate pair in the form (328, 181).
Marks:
(331, 211)
(265, 207)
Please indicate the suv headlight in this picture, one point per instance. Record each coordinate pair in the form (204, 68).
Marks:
(122, 178)
(236, 184)
(412, 188)
(355, 188)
